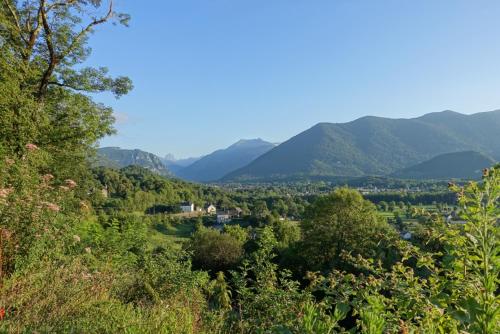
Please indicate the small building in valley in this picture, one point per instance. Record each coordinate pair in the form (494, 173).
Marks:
(226, 215)
(210, 209)
(223, 216)
(187, 207)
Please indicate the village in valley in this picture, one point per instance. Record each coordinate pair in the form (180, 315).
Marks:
(222, 215)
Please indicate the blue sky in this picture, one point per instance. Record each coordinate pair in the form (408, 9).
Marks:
(210, 72)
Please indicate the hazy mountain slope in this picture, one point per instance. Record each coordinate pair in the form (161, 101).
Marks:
(375, 146)
(458, 165)
(118, 158)
(176, 165)
(217, 164)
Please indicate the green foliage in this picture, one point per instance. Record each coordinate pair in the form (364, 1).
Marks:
(220, 293)
(43, 86)
(237, 232)
(215, 251)
(479, 256)
(341, 221)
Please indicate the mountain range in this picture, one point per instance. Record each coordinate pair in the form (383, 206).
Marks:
(437, 145)
(211, 167)
(216, 165)
(374, 146)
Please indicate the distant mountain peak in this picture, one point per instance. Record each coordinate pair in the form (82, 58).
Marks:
(169, 157)
(119, 158)
(250, 142)
(441, 115)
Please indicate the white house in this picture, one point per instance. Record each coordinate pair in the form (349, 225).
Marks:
(210, 209)
(223, 217)
(187, 207)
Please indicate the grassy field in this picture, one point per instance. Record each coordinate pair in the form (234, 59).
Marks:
(173, 235)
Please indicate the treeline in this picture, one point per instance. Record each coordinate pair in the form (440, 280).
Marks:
(418, 198)
(134, 188)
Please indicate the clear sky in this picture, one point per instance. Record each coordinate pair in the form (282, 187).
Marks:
(210, 72)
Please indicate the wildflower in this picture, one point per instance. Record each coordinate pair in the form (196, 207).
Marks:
(31, 147)
(86, 275)
(70, 183)
(6, 234)
(84, 206)
(76, 238)
(2, 313)
(52, 206)
(9, 161)
(4, 192)
(88, 250)
(403, 329)
(47, 177)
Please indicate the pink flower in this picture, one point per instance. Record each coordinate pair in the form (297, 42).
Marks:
(6, 234)
(86, 276)
(4, 192)
(70, 183)
(52, 206)
(31, 147)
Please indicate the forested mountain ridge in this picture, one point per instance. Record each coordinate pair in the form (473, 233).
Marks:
(221, 162)
(458, 165)
(118, 158)
(375, 146)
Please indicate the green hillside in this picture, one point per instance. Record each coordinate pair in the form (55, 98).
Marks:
(375, 146)
(458, 165)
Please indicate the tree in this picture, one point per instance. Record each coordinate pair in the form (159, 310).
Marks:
(237, 232)
(280, 207)
(286, 233)
(260, 209)
(341, 221)
(43, 86)
(215, 251)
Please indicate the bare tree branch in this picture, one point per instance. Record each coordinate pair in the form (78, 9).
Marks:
(60, 4)
(53, 59)
(60, 84)
(14, 15)
(88, 28)
(33, 33)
